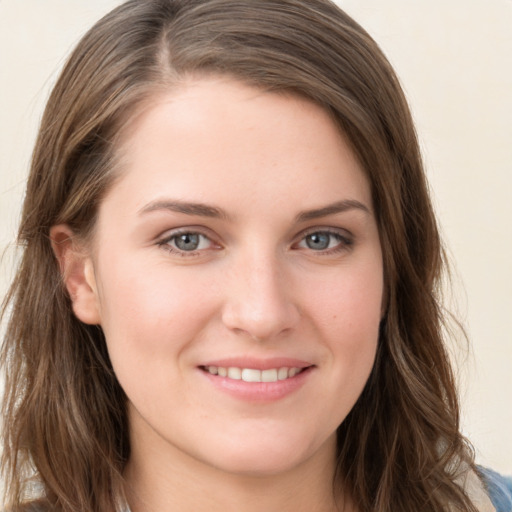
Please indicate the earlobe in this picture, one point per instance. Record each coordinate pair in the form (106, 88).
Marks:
(77, 272)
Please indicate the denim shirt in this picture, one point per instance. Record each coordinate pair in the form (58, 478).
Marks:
(499, 489)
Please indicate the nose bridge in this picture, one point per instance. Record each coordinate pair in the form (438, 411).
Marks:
(259, 302)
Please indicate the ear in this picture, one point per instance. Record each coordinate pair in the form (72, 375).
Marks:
(77, 271)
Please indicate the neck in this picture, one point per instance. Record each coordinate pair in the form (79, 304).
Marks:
(161, 478)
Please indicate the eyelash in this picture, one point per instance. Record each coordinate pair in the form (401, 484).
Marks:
(165, 243)
(345, 242)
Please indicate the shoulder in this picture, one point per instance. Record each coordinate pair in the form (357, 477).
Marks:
(498, 487)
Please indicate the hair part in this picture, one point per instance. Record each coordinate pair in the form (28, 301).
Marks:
(65, 420)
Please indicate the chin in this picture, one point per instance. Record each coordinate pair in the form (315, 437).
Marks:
(271, 456)
(258, 465)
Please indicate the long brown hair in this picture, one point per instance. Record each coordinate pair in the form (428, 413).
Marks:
(65, 422)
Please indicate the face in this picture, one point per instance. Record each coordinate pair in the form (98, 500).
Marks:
(237, 275)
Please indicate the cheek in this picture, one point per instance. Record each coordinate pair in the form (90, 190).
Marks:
(347, 318)
(350, 300)
(151, 309)
(348, 309)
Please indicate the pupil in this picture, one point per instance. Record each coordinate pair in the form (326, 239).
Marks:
(187, 242)
(318, 241)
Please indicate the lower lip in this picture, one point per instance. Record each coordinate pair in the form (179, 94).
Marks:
(259, 391)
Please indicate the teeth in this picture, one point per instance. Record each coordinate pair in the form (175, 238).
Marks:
(252, 375)
(235, 373)
(282, 373)
(249, 375)
(269, 375)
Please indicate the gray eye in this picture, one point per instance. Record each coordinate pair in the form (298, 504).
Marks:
(187, 241)
(319, 241)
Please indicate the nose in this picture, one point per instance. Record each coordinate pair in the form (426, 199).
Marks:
(260, 302)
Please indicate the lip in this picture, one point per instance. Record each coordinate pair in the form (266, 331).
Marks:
(259, 391)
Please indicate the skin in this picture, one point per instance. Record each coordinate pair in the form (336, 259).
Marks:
(256, 287)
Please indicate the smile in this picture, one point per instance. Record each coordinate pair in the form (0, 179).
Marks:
(254, 375)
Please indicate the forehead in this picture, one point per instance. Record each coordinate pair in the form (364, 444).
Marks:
(218, 137)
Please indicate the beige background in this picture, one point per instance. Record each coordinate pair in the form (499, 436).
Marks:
(455, 61)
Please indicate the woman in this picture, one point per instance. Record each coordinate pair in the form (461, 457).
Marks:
(227, 297)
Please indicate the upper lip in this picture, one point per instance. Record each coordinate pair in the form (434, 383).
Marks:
(258, 364)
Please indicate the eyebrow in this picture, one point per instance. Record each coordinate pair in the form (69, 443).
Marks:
(206, 210)
(332, 209)
(199, 209)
